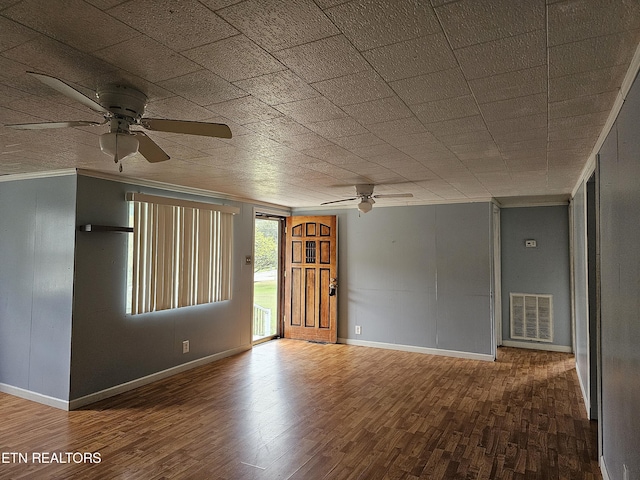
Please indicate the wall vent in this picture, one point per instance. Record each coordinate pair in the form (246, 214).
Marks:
(531, 317)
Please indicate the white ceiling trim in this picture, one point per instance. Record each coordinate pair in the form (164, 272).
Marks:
(629, 78)
(381, 205)
(12, 177)
(536, 204)
(177, 188)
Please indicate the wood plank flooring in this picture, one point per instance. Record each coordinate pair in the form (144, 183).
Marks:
(296, 410)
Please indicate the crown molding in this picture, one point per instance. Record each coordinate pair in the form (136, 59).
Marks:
(11, 177)
(414, 203)
(627, 83)
(179, 189)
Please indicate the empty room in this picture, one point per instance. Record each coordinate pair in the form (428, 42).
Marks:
(319, 239)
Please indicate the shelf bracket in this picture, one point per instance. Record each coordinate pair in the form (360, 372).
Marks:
(104, 228)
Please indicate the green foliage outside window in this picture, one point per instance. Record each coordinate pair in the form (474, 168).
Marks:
(266, 245)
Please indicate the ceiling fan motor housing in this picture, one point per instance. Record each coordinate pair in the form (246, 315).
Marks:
(364, 189)
(122, 101)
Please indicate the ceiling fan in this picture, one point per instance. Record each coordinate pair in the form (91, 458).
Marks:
(364, 192)
(122, 108)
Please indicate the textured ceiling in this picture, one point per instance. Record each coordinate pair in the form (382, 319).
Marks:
(448, 100)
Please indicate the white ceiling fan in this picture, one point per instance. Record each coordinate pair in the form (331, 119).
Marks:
(122, 108)
(364, 192)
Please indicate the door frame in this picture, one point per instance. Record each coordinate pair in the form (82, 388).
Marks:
(598, 306)
(269, 213)
(497, 278)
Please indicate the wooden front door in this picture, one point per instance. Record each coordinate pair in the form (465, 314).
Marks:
(311, 274)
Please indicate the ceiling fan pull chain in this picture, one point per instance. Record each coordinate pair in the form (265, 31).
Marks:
(115, 155)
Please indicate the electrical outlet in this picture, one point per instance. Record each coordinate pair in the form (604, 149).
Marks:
(358, 330)
(185, 346)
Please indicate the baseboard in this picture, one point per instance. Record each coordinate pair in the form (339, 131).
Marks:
(603, 470)
(139, 382)
(584, 390)
(537, 346)
(34, 396)
(411, 348)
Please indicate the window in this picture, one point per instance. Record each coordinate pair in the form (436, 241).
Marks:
(180, 254)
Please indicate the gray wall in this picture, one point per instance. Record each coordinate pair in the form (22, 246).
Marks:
(109, 347)
(620, 295)
(37, 221)
(418, 276)
(541, 270)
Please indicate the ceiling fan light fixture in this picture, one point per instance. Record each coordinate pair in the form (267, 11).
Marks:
(119, 145)
(365, 206)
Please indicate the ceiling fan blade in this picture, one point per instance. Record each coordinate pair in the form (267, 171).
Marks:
(150, 149)
(338, 201)
(69, 91)
(45, 125)
(394, 195)
(191, 128)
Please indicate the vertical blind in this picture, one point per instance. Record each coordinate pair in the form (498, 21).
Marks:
(181, 253)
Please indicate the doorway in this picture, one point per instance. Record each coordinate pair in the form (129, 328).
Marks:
(266, 278)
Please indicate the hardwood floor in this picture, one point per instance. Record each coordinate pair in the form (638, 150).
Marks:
(298, 410)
